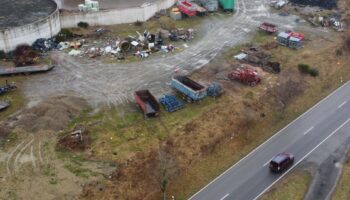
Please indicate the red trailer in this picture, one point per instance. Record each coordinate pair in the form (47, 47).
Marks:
(300, 36)
(270, 28)
(187, 8)
(246, 76)
(147, 102)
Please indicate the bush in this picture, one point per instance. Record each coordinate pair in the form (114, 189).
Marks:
(24, 55)
(304, 68)
(313, 72)
(83, 25)
(138, 23)
(2, 54)
(339, 52)
(64, 35)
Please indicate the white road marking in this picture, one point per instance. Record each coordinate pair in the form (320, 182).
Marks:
(268, 162)
(226, 195)
(257, 148)
(342, 104)
(341, 126)
(308, 130)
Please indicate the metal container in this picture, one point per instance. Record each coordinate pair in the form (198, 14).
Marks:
(191, 90)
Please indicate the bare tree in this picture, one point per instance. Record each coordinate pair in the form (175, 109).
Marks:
(166, 167)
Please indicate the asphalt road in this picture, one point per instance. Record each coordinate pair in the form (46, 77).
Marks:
(250, 177)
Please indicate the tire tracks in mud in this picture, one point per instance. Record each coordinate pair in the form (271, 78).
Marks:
(29, 150)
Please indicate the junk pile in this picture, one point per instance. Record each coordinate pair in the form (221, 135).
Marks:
(4, 104)
(210, 5)
(89, 6)
(327, 21)
(246, 75)
(278, 4)
(76, 140)
(4, 89)
(214, 89)
(254, 55)
(327, 4)
(7, 88)
(44, 45)
(142, 45)
(171, 103)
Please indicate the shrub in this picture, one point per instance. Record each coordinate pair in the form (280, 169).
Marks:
(313, 72)
(138, 23)
(2, 54)
(304, 68)
(24, 55)
(339, 52)
(64, 35)
(83, 25)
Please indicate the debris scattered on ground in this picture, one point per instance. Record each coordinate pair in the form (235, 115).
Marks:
(246, 75)
(327, 21)
(78, 139)
(7, 88)
(278, 4)
(4, 105)
(44, 45)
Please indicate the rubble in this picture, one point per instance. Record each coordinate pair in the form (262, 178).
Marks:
(44, 45)
(77, 140)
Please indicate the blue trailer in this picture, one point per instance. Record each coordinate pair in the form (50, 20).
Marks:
(191, 90)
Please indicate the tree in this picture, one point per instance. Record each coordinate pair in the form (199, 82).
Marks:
(166, 167)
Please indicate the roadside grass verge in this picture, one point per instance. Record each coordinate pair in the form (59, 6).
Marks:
(292, 187)
(342, 191)
(231, 151)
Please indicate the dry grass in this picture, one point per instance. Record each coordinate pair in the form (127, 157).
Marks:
(230, 151)
(292, 187)
(342, 191)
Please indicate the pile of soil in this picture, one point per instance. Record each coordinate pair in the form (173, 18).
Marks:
(52, 114)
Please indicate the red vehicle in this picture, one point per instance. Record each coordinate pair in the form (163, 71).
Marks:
(187, 8)
(300, 36)
(246, 76)
(147, 102)
(270, 28)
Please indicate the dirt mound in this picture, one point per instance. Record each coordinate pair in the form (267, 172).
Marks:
(52, 114)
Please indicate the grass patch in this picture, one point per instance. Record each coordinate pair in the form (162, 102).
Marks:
(231, 151)
(292, 187)
(342, 191)
(80, 171)
(120, 131)
(16, 97)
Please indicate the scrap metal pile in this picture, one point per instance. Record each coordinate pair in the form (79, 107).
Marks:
(246, 75)
(141, 45)
(332, 21)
